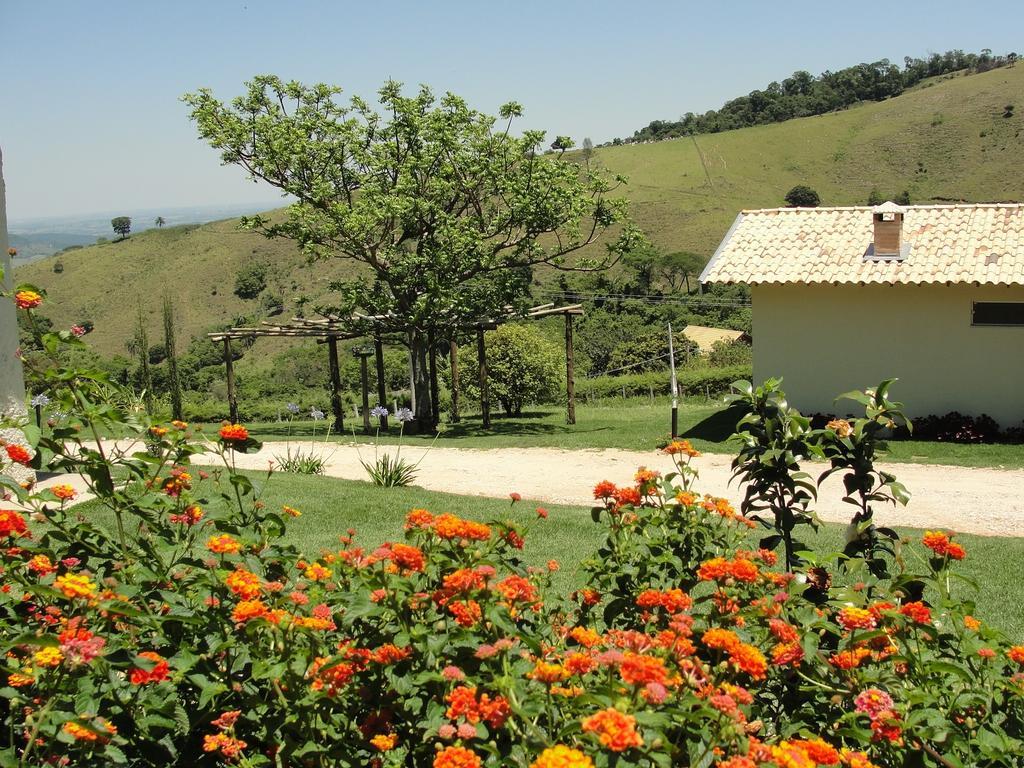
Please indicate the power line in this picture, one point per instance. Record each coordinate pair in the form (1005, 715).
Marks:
(647, 299)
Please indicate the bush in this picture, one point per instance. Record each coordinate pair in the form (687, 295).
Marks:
(523, 368)
(802, 196)
(190, 633)
(58, 267)
(649, 352)
(250, 281)
(738, 352)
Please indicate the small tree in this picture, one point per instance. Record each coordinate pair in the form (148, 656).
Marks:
(588, 149)
(172, 359)
(802, 196)
(523, 367)
(160, 221)
(122, 225)
(144, 372)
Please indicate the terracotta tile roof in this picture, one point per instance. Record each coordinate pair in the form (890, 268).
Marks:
(705, 337)
(981, 244)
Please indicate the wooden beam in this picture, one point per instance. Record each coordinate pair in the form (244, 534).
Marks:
(453, 356)
(230, 373)
(332, 354)
(382, 392)
(481, 354)
(364, 377)
(570, 384)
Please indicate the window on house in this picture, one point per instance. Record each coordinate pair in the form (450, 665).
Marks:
(998, 313)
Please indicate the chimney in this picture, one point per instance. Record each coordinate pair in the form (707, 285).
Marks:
(887, 244)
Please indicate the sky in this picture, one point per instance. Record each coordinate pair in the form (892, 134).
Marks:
(91, 118)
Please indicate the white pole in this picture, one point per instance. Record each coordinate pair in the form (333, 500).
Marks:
(675, 382)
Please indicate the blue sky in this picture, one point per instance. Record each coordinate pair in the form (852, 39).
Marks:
(91, 117)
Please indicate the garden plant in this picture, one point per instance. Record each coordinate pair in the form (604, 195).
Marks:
(187, 633)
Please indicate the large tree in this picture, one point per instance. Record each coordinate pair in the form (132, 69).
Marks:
(446, 209)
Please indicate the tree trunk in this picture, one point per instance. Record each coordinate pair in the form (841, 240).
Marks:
(420, 379)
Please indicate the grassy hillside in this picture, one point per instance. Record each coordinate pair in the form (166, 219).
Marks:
(947, 140)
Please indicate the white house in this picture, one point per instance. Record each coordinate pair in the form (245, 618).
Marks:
(846, 297)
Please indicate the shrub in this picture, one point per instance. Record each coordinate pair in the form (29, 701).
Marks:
(723, 353)
(58, 267)
(250, 281)
(649, 352)
(802, 196)
(695, 381)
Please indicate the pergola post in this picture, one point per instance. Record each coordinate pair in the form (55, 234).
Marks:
(570, 384)
(435, 397)
(481, 354)
(382, 394)
(332, 352)
(230, 375)
(364, 375)
(453, 356)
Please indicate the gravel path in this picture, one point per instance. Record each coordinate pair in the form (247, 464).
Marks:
(983, 501)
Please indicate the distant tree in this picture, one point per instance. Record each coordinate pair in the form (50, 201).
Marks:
(58, 266)
(802, 196)
(875, 197)
(174, 381)
(903, 198)
(562, 143)
(678, 268)
(122, 225)
(588, 149)
(145, 374)
(160, 221)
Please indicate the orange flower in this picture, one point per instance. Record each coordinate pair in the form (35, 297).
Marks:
(516, 588)
(228, 746)
(971, 623)
(12, 523)
(851, 617)
(27, 299)
(158, 432)
(605, 490)
(384, 743)
(749, 659)
(418, 518)
(179, 424)
(243, 583)
(713, 569)
(841, 427)
(467, 613)
(639, 669)
(223, 544)
(75, 585)
(615, 730)
(955, 552)
(317, 572)
(579, 663)
(158, 673)
(789, 755)
(677, 447)
(936, 541)
(98, 730)
(787, 653)
(546, 672)
(849, 659)
(456, 757)
(820, 751)
(917, 612)
(559, 756)
(233, 433)
(720, 639)
(47, 657)
(64, 492)
(586, 637)
(291, 511)
(672, 600)
(408, 558)
(247, 610)
(451, 527)
(1016, 653)
(227, 719)
(18, 453)
(743, 570)
(42, 565)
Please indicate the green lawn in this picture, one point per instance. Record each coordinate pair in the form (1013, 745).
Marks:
(635, 424)
(330, 506)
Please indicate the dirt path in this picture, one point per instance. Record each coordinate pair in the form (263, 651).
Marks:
(966, 499)
(989, 502)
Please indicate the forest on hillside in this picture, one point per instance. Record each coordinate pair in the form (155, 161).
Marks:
(802, 94)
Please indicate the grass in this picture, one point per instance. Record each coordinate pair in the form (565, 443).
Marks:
(632, 425)
(330, 506)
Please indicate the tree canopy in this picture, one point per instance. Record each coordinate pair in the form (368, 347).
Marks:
(122, 225)
(446, 209)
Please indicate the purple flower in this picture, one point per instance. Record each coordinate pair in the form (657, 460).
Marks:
(378, 411)
(404, 414)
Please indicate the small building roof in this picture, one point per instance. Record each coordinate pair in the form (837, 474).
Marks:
(705, 337)
(980, 244)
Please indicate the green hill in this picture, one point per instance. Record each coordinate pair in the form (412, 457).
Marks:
(946, 140)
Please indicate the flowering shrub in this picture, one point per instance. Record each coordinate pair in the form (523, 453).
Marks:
(192, 634)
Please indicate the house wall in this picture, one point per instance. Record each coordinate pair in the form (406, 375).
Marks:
(825, 340)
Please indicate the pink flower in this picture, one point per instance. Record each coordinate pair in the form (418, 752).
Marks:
(541, 512)
(452, 673)
(77, 331)
(485, 651)
(70, 562)
(655, 693)
(515, 497)
(873, 701)
(467, 731)
(446, 731)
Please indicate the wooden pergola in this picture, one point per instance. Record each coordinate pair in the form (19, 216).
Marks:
(329, 329)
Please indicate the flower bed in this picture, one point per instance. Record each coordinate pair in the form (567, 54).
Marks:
(191, 635)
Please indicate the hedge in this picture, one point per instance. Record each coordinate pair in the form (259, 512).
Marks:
(711, 381)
